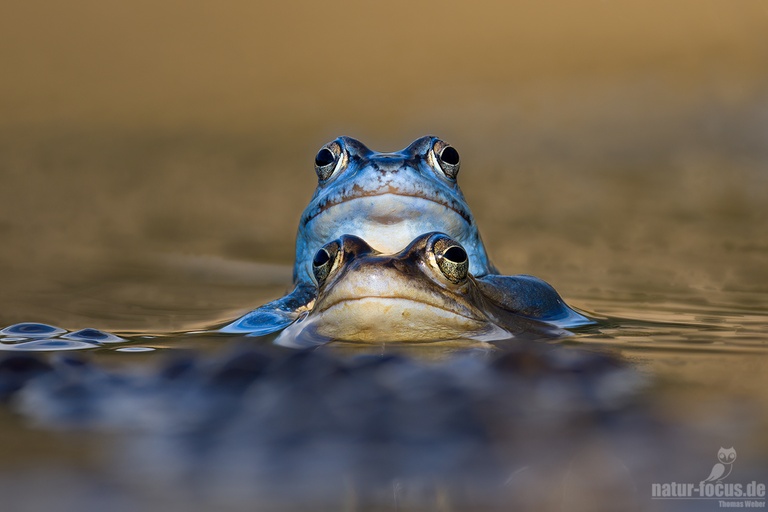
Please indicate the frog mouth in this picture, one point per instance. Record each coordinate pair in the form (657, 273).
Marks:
(391, 206)
(385, 301)
(396, 319)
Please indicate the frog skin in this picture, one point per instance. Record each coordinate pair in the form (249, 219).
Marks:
(386, 198)
(423, 293)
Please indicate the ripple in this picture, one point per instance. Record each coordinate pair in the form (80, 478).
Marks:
(47, 344)
(32, 330)
(93, 335)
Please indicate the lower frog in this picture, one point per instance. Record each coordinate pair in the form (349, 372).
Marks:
(423, 293)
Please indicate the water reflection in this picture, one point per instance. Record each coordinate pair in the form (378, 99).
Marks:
(46, 345)
(500, 425)
(518, 427)
(355, 425)
(269, 424)
(31, 330)
(30, 336)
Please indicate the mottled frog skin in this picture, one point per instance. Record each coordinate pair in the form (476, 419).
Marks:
(423, 293)
(386, 198)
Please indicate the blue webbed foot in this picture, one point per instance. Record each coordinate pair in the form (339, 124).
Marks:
(274, 316)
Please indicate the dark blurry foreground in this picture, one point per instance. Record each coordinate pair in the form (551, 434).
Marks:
(271, 429)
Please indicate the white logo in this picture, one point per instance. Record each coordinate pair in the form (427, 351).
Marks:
(728, 494)
(722, 469)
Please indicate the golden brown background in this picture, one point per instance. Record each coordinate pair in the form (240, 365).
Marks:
(148, 148)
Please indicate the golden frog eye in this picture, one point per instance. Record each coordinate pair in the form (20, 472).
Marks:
(452, 259)
(324, 261)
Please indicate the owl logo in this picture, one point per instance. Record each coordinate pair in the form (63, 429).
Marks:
(723, 468)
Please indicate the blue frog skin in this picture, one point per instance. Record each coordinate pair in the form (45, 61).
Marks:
(423, 293)
(388, 199)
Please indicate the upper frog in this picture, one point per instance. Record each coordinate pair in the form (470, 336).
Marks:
(386, 198)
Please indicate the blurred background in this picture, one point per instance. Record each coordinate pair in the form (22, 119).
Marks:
(155, 156)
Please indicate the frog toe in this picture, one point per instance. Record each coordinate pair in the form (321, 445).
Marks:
(260, 322)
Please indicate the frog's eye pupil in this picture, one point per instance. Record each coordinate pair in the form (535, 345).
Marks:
(455, 254)
(450, 156)
(324, 157)
(323, 262)
(451, 259)
(321, 258)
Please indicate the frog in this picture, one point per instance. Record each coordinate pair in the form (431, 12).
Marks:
(386, 198)
(422, 293)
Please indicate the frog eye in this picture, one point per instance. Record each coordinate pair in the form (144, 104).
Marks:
(448, 158)
(452, 259)
(325, 161)
(324, 261)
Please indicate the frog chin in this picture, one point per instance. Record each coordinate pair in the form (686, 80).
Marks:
(392, 319)
(389, 221)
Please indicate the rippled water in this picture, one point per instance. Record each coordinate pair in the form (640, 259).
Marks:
(695, 380)
(672, 266)
(676, 279)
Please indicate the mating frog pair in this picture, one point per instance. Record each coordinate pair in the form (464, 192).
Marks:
(388, 250)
